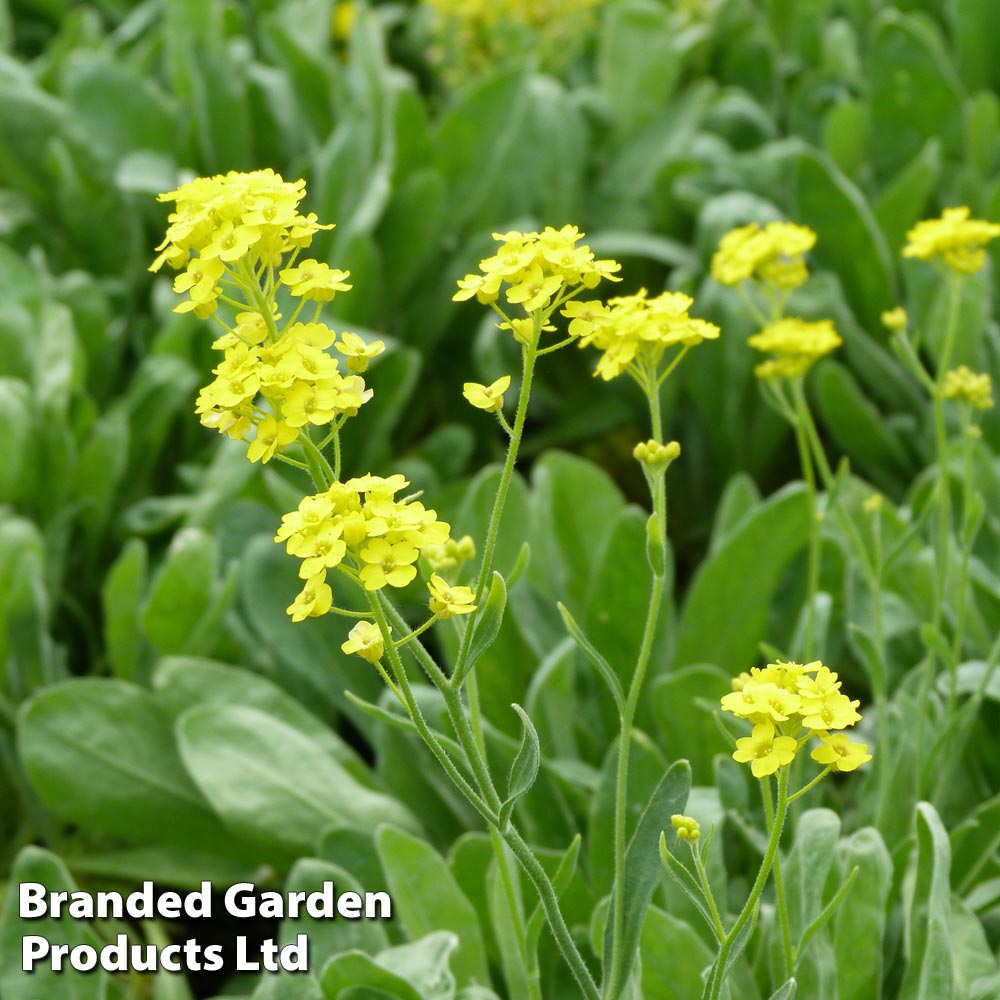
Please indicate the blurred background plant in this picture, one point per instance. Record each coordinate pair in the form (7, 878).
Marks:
(135, 547)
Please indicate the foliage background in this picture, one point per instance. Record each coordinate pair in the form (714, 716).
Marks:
(135, 547)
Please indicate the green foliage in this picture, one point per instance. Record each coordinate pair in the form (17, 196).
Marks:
(162, 718)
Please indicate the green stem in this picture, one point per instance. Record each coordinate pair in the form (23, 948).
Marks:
(486, 568)
(879, 680)
(805, 457)
(963, 573)
(779, 885)
(618, 972)
(717, 977)
(706, 888)
(808, 787)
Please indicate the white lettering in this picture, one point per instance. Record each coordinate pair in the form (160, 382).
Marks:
(33, 948)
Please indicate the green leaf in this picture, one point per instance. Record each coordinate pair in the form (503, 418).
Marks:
(36, 865)
(976, 24)
(100, 754)
(15, 418)
(272, 783)
(904, 201)
(785, 992)
(917, 104)
(930, 969)
(744, 573)
(428, 899)
(181, 591)
(328, 937)
(121, 599)
(643, 867)
(590, 651)
(421, 967)
(488, 621)
(671, 972)
(683, 703)
(637, 62)
(506, 928)
(524, 770)
(184, 682)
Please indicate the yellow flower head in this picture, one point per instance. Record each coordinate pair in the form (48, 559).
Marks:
(366, 640)
(874, 503)
(765, 751)
(312, 279)
(840, 754)
(361, 527)
(895, 319)
(788, 704)
(487, 397)
(634, 331)
(687, 827)
(537, 270)
(774, 254)
(966, 386)
(357, 352)
(955, 239)
(448, 601)
(315, 600)
(796, 345)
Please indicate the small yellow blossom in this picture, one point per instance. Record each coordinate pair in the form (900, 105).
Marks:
(366, 640)
(764, 750)
(448, 601)
(316, 599)
(796, 345)
(487, 397)
(687, 827)
(955, 239)
(966, 386)
(357, 352)
(312, 279)
(840, 754)
(774, 253)
(895, 319)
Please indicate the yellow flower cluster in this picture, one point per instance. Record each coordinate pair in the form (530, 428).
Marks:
(774, 254)
(895, 319)
(966, 386)
(656, 455)
(633, 331)
(297, 382)
(789, 704)
(452, 554)
(796, 345)
(537, 272)
(484, 14)
(955, 239)
(234, 222)
(230, 233)
(360, 527)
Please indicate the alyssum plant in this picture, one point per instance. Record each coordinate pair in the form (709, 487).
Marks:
(238, 240)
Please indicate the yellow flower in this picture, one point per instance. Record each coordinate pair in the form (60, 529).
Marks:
(312, 279)
(366, 640)
(388, 564)
(357, 352)
(966, 386)
(954, 238)
(487, 397)
(447, 601)
(796, 344)
(840, 754)
(829, 710)
(874, 503)
(636, 328)
(687, 827)
(271, 438)
(895, 319)
(316, 599)
(538, 270)
(765, 751)
(774, 254)
(762, 702)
